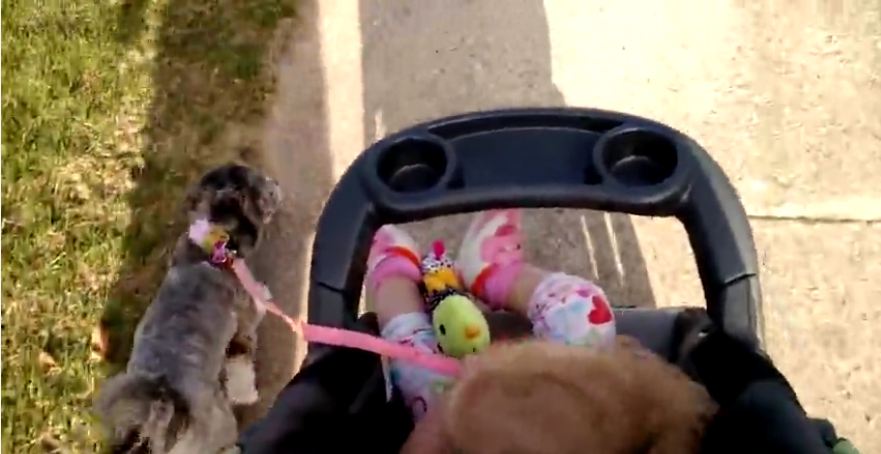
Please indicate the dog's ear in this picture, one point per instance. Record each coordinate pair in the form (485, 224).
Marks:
(267, 197)
(262, 190)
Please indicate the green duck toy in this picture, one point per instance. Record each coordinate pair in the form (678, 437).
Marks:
(459, 325)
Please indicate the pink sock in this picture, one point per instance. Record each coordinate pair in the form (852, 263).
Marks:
(392, 265)
(498, 282)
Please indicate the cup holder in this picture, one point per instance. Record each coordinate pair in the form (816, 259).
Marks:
(415, 164)
(637, 156)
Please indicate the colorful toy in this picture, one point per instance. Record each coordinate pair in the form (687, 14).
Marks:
(213, 239)
(459, 325)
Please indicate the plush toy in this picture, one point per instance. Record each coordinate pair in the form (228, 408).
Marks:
(459, 325)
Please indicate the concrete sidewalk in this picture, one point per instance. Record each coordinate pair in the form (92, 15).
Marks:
(788, 100)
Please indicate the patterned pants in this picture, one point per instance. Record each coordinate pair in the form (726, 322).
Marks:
(564, 308)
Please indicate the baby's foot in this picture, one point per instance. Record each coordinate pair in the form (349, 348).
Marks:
(393, 253)
(491, 256)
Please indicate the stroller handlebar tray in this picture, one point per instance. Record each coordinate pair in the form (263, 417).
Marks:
(531, 158)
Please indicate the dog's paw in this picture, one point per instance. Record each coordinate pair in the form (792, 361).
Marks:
(241, 381)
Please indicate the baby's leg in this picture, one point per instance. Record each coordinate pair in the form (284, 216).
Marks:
(562, 308)
(393, 292)
(565, 308)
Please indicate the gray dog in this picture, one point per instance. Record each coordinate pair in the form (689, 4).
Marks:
(193, 349)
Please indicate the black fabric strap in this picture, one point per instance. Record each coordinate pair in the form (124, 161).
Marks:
(759, 411)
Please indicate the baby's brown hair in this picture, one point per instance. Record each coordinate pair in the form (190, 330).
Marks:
(540, 397)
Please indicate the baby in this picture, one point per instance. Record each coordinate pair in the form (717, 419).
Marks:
(563, 309)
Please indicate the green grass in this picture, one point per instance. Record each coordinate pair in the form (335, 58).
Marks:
(109, 110)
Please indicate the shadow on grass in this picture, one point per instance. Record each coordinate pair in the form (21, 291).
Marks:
(209, 82)
(131, 20)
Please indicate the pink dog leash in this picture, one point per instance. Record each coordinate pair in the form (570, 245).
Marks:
(342, 337)
(213, 240)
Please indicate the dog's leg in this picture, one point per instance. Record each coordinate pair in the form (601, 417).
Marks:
(224, 428)
(240, 380)
(248, 318)
(213, 427)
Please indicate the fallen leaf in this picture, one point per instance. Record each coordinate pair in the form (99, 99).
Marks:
(100, 341)
(46, 361)
(51, 444)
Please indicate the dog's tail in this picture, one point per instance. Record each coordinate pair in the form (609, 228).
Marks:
(143, 414)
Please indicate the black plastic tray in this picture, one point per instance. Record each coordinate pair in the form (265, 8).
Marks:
(573, 158)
